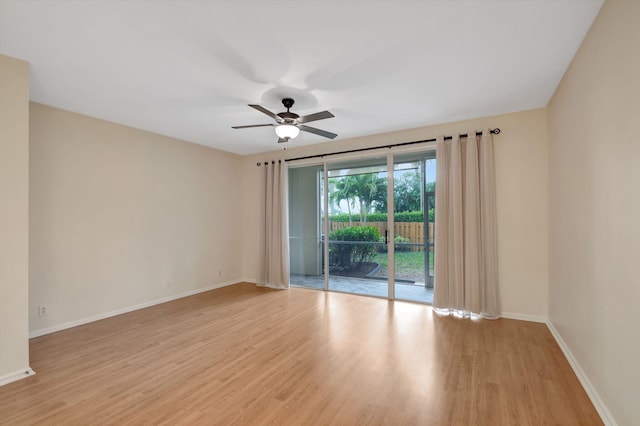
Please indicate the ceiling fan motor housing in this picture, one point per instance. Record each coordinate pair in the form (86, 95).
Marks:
(288, 117)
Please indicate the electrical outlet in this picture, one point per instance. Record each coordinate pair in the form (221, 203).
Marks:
(42, 310)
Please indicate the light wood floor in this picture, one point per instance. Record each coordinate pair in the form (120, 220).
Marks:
(245, 355)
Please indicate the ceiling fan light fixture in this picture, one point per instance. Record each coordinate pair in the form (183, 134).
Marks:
(287, 131)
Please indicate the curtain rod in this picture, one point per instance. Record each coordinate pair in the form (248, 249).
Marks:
(463, 135)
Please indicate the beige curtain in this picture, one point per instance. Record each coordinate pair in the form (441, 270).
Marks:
(466, 275)
(274, 242)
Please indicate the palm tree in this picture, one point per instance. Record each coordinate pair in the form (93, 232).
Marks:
(368, 190)
(343, 190)
(371, 190)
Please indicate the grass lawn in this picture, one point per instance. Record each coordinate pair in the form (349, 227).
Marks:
(409, 261)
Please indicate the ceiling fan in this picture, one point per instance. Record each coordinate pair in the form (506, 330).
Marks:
(289, 124)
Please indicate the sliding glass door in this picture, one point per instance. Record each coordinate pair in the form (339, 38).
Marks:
(305, 227)
(357, 224)
(414, 213)
(346, 238)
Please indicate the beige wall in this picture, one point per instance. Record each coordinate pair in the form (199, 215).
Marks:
(595, 208)
(122, 217)
(14, 217)
(521, 172)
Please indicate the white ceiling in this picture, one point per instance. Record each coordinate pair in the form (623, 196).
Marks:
(188, 69)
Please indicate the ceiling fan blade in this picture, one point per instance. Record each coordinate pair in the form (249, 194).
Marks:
(251, 125)
(314, 117)
(318, 131)
(265, 111)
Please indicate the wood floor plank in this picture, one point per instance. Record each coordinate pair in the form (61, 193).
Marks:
(248, 355)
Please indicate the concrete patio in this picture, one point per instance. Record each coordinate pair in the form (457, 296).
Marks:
(367, 287)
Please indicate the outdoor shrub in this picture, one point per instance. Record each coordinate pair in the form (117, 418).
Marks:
(398, 244)
(408, 217)
(376, 217)
(344, 217)
(347, 255)
(416, 216)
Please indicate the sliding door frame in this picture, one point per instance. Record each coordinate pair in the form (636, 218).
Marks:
(390, 155)
(391, 248)
(325, 222)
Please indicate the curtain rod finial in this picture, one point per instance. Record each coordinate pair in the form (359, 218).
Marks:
(496, 131)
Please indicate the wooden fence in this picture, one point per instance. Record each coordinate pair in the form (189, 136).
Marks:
(413, 231)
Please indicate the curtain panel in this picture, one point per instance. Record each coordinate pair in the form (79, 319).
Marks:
(274, 241)
(466, 273)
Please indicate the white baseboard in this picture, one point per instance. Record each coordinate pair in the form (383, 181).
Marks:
(16, 375)
(48, 330)
(598, 403)
(523, 317)
(250, 280)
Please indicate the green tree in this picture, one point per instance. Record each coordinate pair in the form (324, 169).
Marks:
(371, 192)
(368, 191)
(343, 189)
(407, 192)
(431, 200)
(334, 200)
